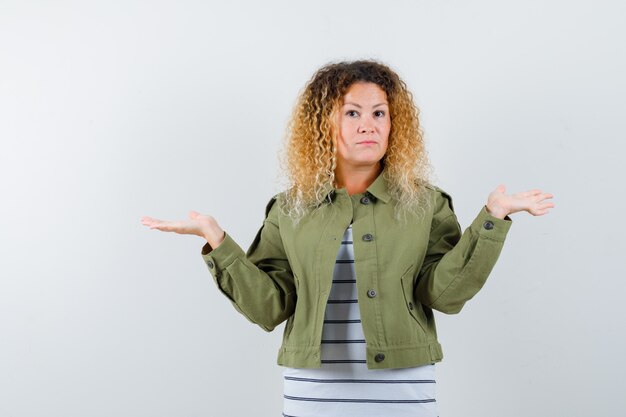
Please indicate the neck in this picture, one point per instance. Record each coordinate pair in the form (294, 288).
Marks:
(356, 179)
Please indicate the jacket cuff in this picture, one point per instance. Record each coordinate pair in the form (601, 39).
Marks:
(220, 258)
(489, 226)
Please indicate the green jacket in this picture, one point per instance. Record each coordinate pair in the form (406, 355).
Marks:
(404, 272)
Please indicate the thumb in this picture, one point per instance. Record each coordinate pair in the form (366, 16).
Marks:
(193, 214)
(501, 188)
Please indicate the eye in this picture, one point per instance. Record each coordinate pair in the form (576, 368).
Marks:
(379, 113)
(352, 113)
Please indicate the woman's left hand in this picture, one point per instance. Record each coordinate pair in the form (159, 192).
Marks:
(534, 201)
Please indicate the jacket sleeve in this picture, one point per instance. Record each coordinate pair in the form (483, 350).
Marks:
(457, 265)
(260, 282)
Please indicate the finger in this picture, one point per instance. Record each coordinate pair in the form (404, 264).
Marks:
(156, 225)
(538, 198)
(535, 211)
(180, 226)
(153, 224)
(543, 208)
(531, 193)
(162, 225)
(148, 221)
(543, 202)
(171, 226)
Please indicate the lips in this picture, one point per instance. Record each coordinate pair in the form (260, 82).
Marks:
(365, 142)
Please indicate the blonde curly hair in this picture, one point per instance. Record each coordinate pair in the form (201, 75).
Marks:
(309, 155)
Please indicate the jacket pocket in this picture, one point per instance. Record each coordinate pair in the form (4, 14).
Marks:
(415, 309)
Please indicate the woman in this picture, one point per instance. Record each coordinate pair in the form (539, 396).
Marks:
(357, 253)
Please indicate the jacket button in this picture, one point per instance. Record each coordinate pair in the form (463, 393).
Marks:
(410, 305)
(379, 357)
(210, 264)
(488, 225)
(371, 293)
(368, 237)
(365, 200)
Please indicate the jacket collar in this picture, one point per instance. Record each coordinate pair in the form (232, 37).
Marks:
(379, 188)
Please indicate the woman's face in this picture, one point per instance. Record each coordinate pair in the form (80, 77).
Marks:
(363, 126)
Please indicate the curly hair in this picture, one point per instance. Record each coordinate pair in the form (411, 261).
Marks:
(309, 155)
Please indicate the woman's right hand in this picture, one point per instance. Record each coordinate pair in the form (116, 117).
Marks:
(198, 224)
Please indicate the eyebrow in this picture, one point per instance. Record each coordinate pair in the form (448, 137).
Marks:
(360, 107)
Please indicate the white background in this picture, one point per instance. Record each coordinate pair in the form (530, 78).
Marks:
(114, 110)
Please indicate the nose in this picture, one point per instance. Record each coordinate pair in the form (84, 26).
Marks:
(366, 126)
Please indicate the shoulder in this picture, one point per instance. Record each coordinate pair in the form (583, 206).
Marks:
(439, 197)
(270, 204)
(272, 208)
(442, 208)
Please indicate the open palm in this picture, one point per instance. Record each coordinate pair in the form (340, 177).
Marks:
(202, 225)
(533, 201)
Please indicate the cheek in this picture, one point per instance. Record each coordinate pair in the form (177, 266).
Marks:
(345, 131)
(386, 129)
(385, 146)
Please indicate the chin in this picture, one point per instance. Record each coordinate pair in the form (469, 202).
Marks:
(367, 162)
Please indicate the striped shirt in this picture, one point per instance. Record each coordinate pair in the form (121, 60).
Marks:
(344, 386)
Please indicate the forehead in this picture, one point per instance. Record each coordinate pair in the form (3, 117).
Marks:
(365, 92)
